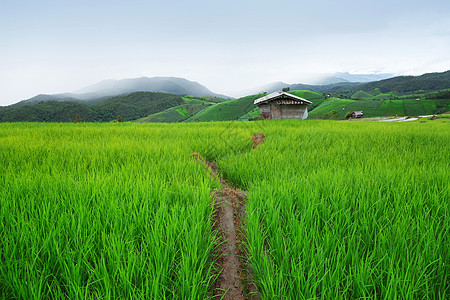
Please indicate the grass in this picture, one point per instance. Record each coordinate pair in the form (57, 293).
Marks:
(314, 97)
(207, 109)
(104, 211)
(344, 210)
(335, 209)
(253, 114)
(228, 110)
(414, 107)
(377, 108)
(180, 113)
(361, 95)
(243, 108)
(395, 107)
(340, 105)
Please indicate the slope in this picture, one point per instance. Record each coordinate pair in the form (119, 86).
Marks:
(228, 110)
(409, 84)
(381, 108)
(243, 109)
(48, 111)
(179, 113)
(129, 107)
(135, 105)
(276, 86)
(100, 91)
(172, 85)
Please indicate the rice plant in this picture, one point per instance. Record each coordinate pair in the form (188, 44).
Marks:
(104, 211)
(335, 209)
(347, 210)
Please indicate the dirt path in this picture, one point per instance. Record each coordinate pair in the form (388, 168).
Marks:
(228, 218)
(392, 119)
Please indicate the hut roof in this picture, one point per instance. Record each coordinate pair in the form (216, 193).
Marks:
(358, 112)
(278, 95)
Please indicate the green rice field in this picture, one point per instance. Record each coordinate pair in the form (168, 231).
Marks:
(336, 210)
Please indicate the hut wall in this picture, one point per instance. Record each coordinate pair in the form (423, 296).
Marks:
(275, 111)
(286, 111)
(265, 111)
(291, 111)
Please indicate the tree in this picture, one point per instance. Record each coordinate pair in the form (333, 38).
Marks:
(286, 89)
(77, 119)
(332, 115)
(119, 119)
(348, 115)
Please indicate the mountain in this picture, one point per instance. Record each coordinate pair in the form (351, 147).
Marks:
(267, 88)
(329, 80)
(321, 83)
(45, 97)
(98, 92)
(345, 76)
(409, 84)
(129, 107)
(434, 89)
(339, 77)
(171, 85)
(277, 86)
(401, 84)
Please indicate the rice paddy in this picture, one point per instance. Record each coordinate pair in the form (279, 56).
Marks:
(335, 209)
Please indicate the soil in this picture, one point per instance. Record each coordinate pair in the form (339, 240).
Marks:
(233, 281)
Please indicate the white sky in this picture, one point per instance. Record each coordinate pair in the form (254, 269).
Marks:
(51, 46)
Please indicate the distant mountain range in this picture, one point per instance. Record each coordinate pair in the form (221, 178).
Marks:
(400, 84)
(130, 107)
(321, 83)
(130, 99)
(409, 84)
(171, 85)
(348, 77)
(277, 86)
(108, 88)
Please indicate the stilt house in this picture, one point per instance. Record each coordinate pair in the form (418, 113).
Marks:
(281, 105)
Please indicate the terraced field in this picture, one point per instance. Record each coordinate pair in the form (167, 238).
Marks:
(377, 108)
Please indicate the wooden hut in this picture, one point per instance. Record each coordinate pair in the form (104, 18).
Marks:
(281, 105)
(357, 114)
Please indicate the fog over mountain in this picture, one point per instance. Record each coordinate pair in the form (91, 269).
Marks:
(112, 87)
(319, 82)
(361, 77)
(172, 85)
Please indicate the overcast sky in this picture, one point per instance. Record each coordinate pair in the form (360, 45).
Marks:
(50, 46)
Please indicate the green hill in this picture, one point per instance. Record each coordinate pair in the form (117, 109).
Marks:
(243, 109)
(373, 108)
(409, 84)
(129, 107)
(169, 108)
(228, 110)
(314, 97)
(182, 112)
(361, 95)
(135, 105)
(48, 111)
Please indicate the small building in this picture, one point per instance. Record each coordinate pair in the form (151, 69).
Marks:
(282, 105)
(357, 114)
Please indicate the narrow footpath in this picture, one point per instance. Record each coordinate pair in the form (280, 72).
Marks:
(233, 281)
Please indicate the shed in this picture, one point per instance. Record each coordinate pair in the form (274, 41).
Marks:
(282, 105)
(357, 114)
